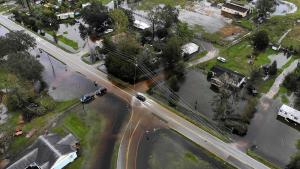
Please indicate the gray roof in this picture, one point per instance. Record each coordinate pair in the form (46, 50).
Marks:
(45, 151)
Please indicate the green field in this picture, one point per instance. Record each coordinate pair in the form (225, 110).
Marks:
(149, 4)
(237, 58)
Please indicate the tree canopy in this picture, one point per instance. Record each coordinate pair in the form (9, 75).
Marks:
(260, 40)
(97, 18)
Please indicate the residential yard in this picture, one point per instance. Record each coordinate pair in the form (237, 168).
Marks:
(87, 127)
(237, 58)
(198, 56)
(40, 124)
(293, 38)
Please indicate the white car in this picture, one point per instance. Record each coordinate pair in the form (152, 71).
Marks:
(221, 59)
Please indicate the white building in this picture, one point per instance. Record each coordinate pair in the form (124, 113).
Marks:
(85, 5)
(141, 25)
(48, 152)
(289, 113)
(189, 48)
(67, 15)
(234, 9)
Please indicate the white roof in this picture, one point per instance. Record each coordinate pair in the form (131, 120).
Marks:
(190, 48)
(65, 14)
(289, 113)
(85, 4)
(141, 25)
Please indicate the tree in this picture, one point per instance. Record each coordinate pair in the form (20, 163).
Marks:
(121, 62)
(173, 83)
(222, 105)
(265, 6)
(184, 32)
(260, 40)
(163, 17)
(172, 52)
(273, 68)
(97, 18)
(16, 42)
(25, 66)
(120, 20)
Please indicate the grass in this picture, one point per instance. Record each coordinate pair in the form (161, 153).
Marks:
(237, 58)
(86, 126)
(199, 56)
(39, 123)
(73, 44)
(68, 42)
(149, 4)
(261, 159)
(245, 23)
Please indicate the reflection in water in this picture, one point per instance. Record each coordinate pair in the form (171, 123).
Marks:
(64, 84)
(166, 149)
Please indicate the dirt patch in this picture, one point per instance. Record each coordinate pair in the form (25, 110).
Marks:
(230, 30)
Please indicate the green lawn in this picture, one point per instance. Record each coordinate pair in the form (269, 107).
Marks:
(39, 123)
(237, 58)
(87, 127)
(68, 42)
(149, 4)
(198, 56)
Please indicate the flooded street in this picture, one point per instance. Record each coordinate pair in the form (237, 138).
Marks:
(115, 110)
(63, 83)
(168, 150)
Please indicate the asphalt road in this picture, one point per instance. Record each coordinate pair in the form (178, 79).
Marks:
(224, 150)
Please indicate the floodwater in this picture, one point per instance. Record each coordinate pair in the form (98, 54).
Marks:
(196, 92)
(284, 8)
(72, 32)
(167, 149)
(3, 30)
(274, 139)
(280, 58)
(115, 111)
(63, 83)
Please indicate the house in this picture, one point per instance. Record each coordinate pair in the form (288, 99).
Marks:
(221, 76)
(48, 152)
(141, 25)
(289, 113)
(234, 9)
(189, 49)
(67, 15)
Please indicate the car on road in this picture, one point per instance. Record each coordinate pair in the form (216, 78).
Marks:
(221, 59)
(87, 98)
(141, 97)
(101, 91)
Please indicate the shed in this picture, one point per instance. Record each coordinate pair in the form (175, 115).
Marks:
(189, 48)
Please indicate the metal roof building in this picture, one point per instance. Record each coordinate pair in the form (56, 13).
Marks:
(289, 113)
